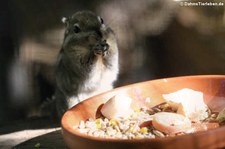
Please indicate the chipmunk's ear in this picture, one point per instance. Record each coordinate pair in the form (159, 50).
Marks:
(65, 21)
(100, 20)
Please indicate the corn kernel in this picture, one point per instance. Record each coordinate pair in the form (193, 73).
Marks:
(137, 110)
(144, 130)
(98, 120)
(113, 122)
(98, 126)
(131, 130)
(98, 123)
(137, 137)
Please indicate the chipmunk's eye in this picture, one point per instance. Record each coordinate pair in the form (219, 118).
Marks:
(100, 20)
(76, 28)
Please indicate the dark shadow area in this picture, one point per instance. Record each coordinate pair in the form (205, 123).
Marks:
(29, 124)
(51, 140)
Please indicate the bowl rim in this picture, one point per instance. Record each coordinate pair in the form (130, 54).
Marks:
(76, 133)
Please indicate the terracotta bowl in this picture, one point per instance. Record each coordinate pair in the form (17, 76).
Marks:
(213, 87)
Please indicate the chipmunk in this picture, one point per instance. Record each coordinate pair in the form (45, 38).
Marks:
(87, 62)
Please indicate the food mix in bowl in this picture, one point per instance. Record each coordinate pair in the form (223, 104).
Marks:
(182, 112)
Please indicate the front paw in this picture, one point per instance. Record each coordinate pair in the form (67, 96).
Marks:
(101, 48)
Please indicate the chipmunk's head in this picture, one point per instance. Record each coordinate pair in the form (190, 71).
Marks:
(86, 31)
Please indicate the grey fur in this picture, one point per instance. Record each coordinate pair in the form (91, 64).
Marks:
(88, 61)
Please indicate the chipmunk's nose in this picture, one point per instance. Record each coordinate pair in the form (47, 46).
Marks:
(104, 45)
(101, 48)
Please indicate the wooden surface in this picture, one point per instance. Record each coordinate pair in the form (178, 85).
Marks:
(38, 133)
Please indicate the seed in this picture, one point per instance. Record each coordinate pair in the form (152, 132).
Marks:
(117, 128)
(96, 133)
(158, 133)
(213, 115)
(83, 130)
(82, 125)
(119, 135)
(90, 124)
(157, 109)
(106, 120)
(91, 132)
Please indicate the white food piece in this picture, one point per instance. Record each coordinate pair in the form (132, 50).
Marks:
(117, 106)
(171, 123)
(189, 103)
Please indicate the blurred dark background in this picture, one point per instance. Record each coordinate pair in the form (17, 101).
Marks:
(157, 39)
